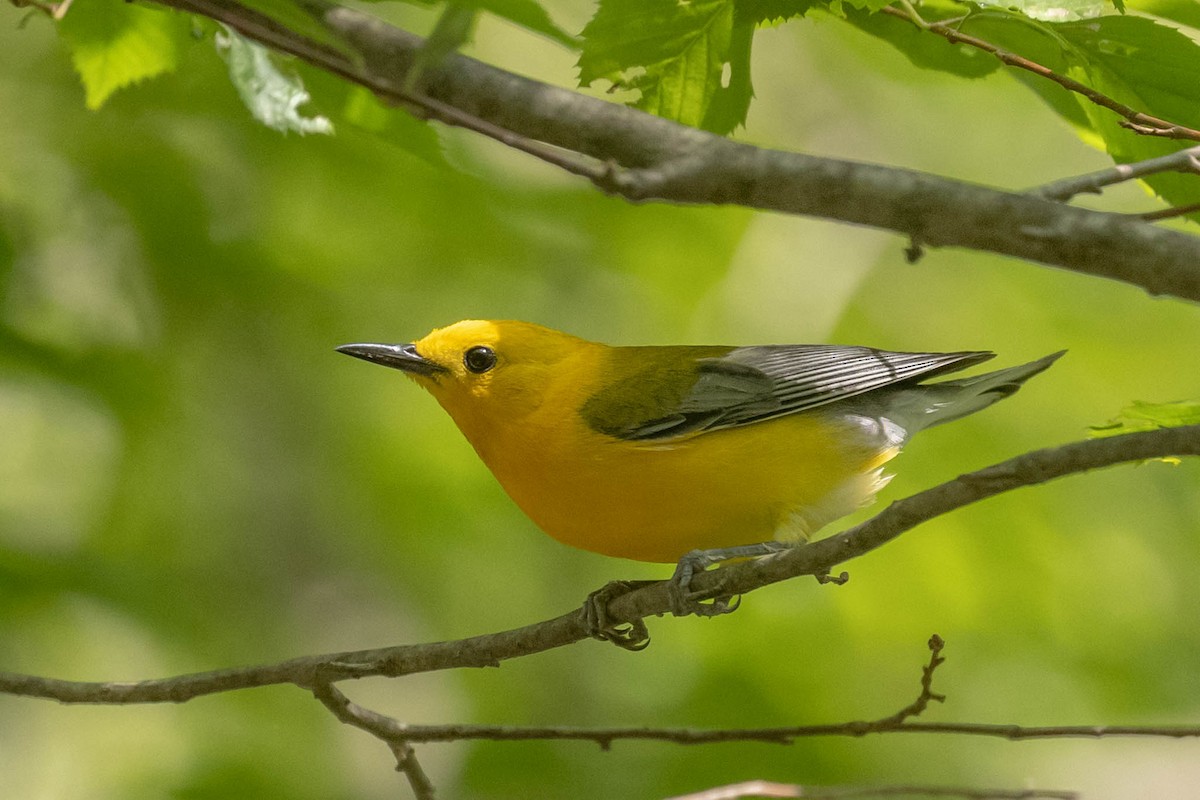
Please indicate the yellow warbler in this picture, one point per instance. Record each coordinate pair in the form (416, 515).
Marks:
(650, 453)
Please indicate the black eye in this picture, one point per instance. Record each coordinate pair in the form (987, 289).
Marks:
(479, 359)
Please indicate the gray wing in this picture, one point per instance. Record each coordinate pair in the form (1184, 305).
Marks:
(751, 384)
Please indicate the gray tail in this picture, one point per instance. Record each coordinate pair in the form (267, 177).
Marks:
(924, 406)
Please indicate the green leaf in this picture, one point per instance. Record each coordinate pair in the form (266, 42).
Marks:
(114, 44)
(527, 14)
(1185, 12)
(452, 31)
(1143, 416)
(272, 97)
(1145, 65)
(674, 53)
(731, 102)
(773, 11)
(362, 109)
(923, 48)
(1136, 61)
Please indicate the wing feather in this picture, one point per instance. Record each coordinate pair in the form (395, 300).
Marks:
(752, 384)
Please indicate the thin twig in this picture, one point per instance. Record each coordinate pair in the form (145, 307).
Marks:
(918, 706)
(1187, 160)
(1135, 120)
(1169, 213)
(382, 727)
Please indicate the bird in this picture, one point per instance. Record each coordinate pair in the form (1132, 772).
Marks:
(653, 453)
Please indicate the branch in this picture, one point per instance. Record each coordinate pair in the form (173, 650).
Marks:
(645, 158)
(817, 558)
(381, 727)
(1094, 182)
(391, 730)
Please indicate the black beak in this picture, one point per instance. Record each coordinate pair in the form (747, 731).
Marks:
(399, 356)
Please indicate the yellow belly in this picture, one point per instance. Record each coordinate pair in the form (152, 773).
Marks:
(655, 502)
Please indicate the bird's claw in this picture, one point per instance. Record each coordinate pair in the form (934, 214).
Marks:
(631, 635)
(707, 603)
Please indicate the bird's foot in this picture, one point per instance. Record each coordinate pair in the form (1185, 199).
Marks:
(627, 635)
(711, 602)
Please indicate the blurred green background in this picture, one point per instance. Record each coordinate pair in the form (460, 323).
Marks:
(191, 478)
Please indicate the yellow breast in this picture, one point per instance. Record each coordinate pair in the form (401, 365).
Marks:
(655, 502)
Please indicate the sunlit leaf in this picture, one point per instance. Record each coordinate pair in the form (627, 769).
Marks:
(1142, 416)
(1185, 12)
(529, 15)
(1150, 67)
(673, 53)
(772, 11)
(272, 97)
(115, 44)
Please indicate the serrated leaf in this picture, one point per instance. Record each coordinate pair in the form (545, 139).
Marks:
(273, 98)
(529, 15)
(114, 44)
(772, 11)
(1145, 65)
(674, 53)
(1185, 12)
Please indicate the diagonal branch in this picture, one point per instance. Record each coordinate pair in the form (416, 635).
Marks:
(817, 558)
(645, 158)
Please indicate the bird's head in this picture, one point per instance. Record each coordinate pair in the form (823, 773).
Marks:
(484, 372)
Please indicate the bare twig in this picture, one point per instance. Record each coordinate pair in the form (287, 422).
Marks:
(1170, 213)
(918, 706)
(1094, 182)
(646, 158)
(814, 559)
(1135, 120)
(382, 727)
